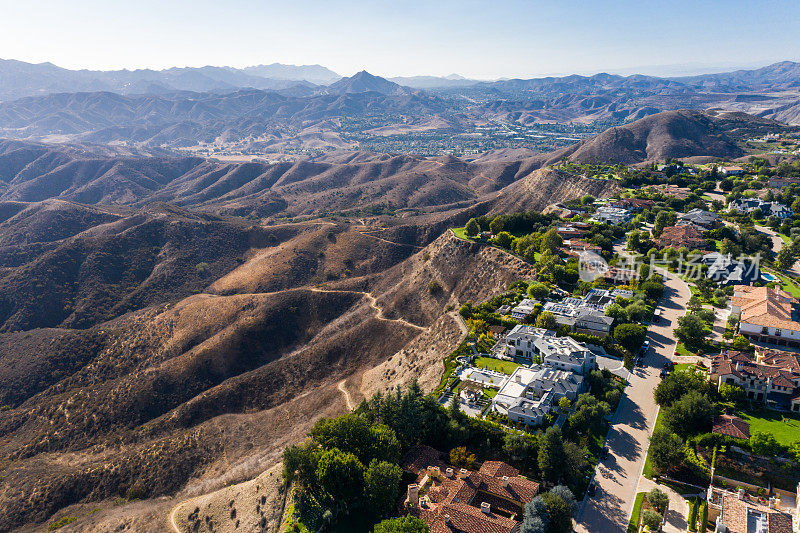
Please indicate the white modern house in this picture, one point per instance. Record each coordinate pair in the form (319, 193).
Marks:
(524, 308)
(520, 342)
(612, 215)
(530, 394)
(565, 353)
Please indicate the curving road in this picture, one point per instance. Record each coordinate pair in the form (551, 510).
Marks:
(618, 475)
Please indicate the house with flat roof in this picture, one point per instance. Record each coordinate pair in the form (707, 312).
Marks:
(524, 308)
(520, 343)
(587, 314)
(529, 394)
(612, 215)
(449, 500)
(565, 353)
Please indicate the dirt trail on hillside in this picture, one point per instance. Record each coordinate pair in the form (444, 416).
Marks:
(373, 302)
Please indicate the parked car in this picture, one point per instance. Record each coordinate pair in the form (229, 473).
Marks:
(645, 347)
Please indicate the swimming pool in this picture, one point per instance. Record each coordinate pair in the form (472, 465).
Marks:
(768, 277)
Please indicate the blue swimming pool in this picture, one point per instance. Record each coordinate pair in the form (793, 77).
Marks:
(768, 277)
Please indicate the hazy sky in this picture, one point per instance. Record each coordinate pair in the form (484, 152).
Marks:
(475, 38)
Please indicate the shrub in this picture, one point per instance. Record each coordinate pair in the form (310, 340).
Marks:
(651, 519)
(434, 287)
(61, 523)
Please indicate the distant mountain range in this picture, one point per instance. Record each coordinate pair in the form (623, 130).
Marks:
(19, 79)
(263, 106)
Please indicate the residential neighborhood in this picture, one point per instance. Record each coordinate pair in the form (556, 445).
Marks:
(645, 377)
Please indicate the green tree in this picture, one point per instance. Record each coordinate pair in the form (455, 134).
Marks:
(382, 486)
(352, 433)
(691, 414)
(589, 414)
(764, 444)
(731, 393)
(551, 241)
(300, 462)
(552, 459)
(630, 336)
(564, 404)
(561, 505)
(504, 240)
(794, 451)
(497, 225)
(663, 220)
(651, 519)
(691, 330)
(405, 524)
(785, 259)
(741, 343)
(676, 384)
(546, 320)
(538, 291)
(666, 450)
(472, 228)
(516, 446)
(341, 476)
(658, 499)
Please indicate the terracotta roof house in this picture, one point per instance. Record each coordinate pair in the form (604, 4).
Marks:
(775, 385)
(738, 512)
(634, 205)
(449, 500)
(680, 236)
(732, 426)
(767, 315)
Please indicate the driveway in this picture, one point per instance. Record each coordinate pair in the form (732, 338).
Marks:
(617, 476)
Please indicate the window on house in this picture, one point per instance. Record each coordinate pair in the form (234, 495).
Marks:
(777, 333)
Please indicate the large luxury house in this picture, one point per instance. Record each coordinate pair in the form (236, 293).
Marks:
(738, 512)
(587, 315)
(530, 394)
(728, 271)
(699, 218)
(767, 315)
(524, 344)
(772, 378)
(686, 236)
(449, 499)
(768, 209)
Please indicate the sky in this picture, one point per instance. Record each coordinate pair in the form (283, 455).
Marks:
(475, 38)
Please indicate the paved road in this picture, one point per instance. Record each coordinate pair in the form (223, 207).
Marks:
(618, 475)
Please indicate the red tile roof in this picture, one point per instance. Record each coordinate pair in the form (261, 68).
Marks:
(732, 426)
(678, 236)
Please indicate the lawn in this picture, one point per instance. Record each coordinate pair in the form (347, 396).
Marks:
(633, 525)
(461, 234)
(767, 421)
(647, 471)
(787, 284)
(506, 367)
(489, 392)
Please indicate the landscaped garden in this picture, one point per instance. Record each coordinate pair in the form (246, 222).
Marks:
(498, 365)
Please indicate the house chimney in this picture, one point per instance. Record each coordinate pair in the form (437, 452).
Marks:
(437, 472)
(739, 366)
(773, 502)
(447, 520)
(741, 494)
(449, 473)
(505, 481)
(413, 494)
(462, 474)
(486, 508)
